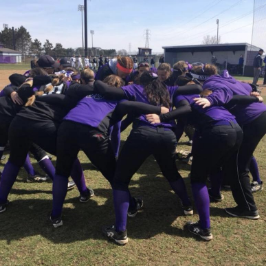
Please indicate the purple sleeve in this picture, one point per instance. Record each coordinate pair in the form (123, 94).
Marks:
(220, 96)
(178, 99)
(130, 92)
(115, 137)
(2, 93)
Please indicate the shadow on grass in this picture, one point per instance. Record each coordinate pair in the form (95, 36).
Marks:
(29, 217)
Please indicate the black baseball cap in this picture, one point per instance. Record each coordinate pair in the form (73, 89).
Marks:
(17, 79)
(261, 50)
(47, 61)
(65, 62)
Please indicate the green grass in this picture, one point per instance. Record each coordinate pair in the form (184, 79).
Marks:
(20, 66)
(156, 234)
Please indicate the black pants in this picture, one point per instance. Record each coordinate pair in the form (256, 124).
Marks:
(36, 150)
(142, 142)
(24, 132)
(241, 189)
(73, 137)
(212, 148)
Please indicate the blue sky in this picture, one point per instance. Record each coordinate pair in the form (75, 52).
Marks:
(118, 23)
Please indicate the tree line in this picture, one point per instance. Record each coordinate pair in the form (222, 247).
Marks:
(23, 43)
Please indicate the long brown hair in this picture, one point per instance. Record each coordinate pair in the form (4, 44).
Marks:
(155, 90)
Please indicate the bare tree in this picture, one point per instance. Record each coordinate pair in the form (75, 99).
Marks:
(122, 52)
(211, 39)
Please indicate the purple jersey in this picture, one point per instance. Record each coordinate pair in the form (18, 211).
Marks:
(203, 117)
(94, 111)
(135, 92)
(224, 88)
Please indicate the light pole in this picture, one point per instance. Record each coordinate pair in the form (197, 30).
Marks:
(217, 22)
(81, 9)
(92, 32)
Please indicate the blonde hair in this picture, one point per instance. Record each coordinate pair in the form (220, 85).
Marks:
(209, 70)
(87, 75)
(114, 80)
(165, 67)
(182, 65)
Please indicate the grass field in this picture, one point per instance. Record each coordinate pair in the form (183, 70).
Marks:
(156, 233)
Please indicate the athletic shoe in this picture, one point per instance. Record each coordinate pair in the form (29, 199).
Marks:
(215, 198)
(37, 178)
(255, 186)
(188, 210)
(3, 207)
(86, 196)
(139, 205)
(195, 229)
(56, 222)
(70, 185)
(119, 237)
(237, 212)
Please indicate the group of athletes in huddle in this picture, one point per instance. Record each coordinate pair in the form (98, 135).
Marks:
(56, 109)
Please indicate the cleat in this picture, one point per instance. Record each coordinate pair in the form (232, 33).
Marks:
(139, 205)
(57, 222)
(118, 237)
(237, 212)
(195, 229)
(86, 196)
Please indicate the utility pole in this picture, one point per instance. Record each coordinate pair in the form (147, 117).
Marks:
(129, 49)
(92, 32)
(217, 22)
(147, 38)
(86, 30)
(81, 8)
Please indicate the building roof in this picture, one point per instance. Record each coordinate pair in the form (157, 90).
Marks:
(144, 48)
(211, 47)
(10, 51)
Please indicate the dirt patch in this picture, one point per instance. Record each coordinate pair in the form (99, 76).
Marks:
(4, 74)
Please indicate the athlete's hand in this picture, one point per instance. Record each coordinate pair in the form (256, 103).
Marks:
(202, 101)
(153, 118)
(164, 110)
(260, 99)
(255, 93)
(15, 98)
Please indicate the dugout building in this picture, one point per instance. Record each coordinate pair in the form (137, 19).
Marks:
(227, 55)
(9, 56)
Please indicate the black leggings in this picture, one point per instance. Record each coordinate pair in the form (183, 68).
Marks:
(142, 142)
(212, 148)
(37, 151)
(24, 132)
(241, 189)
(73, 137)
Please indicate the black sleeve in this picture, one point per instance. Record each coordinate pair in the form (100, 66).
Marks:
(136, 108)
(54, 99)
(109, 92)
(41, 80)
(182, 109)
(78, 91)
(241, 99)
(9, 89)
(188, 89)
